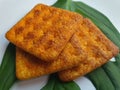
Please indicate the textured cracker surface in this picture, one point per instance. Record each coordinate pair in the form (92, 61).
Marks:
(28, 66)
(97, 47)
(44, 31)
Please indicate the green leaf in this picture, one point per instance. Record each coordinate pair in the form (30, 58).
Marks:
(117, 62)
(70, 85)
(51, 83)
(113, 73)
(100, 80)
(7, 68)
(55, 84)
(65, 4)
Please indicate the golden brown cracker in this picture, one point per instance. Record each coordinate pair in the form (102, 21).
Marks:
(98, 48)
(28, 66)
(44, 31)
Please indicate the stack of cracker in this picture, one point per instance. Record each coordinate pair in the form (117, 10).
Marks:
(50, 40)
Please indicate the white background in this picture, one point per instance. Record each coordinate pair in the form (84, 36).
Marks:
(13, 10)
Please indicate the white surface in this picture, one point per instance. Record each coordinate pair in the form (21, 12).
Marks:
(13, 10)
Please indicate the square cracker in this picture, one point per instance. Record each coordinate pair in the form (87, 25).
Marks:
(98, 48)
(28, 66)
(44, 31)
